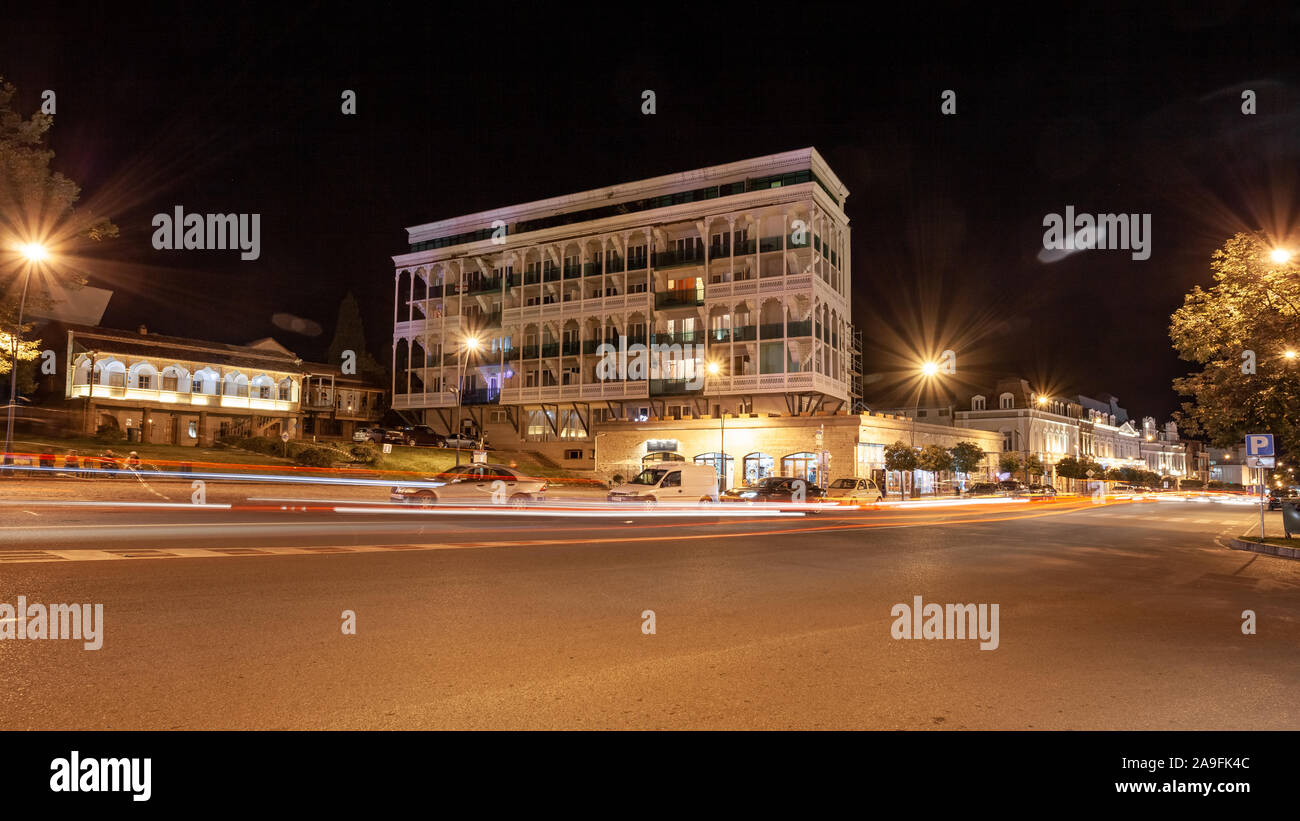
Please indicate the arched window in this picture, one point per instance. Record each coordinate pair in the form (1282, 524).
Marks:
(81, 376)
(143, 375)
(260, 386)
(757, 466)
(175, 378)
(977, 403)
(110, 372)
(204, 381)
(801, 465)
(236, 384)
(1006, 401)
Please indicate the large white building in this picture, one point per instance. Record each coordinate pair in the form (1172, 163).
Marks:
(500, 315)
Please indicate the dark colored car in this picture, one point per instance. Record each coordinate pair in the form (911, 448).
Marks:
(773, 489)
(1277, 497)
(423, 435)
(1013, 487)
(1040, 490)
(984, 489)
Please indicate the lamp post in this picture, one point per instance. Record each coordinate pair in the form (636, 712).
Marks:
(928, 371)
(471, 343)
(713, 369)
(35, 254)
(1029, 437)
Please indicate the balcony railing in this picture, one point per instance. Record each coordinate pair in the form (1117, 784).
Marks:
(673, 299)
(673, 259)
(744, 333)
(592, 269)
(802, 327)
(481, 396)
(669, 387)
(771, 330)
(679, 338)
(571, 348)
(482, 285)
(572, 271)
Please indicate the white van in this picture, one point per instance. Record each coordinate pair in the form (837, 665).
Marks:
(669, 482)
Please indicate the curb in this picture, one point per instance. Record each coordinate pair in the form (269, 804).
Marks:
(1266, 549)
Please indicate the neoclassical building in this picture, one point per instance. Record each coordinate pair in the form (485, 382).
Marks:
(176, 390)
(736, 277)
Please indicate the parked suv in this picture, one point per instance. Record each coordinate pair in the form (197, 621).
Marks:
(423, 435)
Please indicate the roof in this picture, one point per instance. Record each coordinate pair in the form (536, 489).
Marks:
(158, 346)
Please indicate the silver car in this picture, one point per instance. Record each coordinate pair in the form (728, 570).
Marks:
(474, 485)
(853, 491)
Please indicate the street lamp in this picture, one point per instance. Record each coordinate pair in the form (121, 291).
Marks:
(470, 343)
(1281, 255)
(35, 254)
(713, 369)
(1029, 436)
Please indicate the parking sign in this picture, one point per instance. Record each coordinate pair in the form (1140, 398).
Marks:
(1259, 444)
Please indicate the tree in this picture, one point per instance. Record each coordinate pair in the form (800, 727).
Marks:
(1069, 468)
(902, 458)
(1247, 321)
(934, 459)
(350, 335)
(1034, 465)
(36, 206)
(1009, 463)
(966, 457)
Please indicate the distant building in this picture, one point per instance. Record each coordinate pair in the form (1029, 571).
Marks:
(1029, 423)
(182, 391)
(1162, 451)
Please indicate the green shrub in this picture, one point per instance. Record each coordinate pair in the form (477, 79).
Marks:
(316, 457)
(1192, 484)
(109, 434)
(367, 454)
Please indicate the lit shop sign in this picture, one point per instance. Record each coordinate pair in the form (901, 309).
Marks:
(653, 445)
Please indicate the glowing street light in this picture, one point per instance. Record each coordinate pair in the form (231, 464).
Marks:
(713, 368)
(1288, 354)
(35, 254)
(929, 369)
(469, 344)
(1281, 256)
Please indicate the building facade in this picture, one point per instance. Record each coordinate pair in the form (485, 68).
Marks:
(1029, 423)
(720, 290)
(180, 391)
(1162, 451)
(818, 448)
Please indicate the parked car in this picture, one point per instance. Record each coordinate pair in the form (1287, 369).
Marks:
(363, 434)
(474, 484)
(1045, 491)
(774, 489)
(675, 482)
(984, 489)
(1277, 496)
(854, 490)
(460, 441)
(423, 435)
(1012, 487)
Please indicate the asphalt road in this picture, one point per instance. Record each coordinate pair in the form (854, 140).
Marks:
(1118, 616)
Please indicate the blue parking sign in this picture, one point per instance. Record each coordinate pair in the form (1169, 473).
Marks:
(1259, 444)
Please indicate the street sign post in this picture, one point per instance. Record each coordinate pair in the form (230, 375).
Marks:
(1260, 446)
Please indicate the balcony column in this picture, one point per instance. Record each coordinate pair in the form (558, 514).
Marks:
(397, 281)
(785, 233)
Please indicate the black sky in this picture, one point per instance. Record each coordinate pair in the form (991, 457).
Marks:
(1108, 110)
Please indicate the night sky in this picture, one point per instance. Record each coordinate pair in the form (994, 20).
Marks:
(1108, 111)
